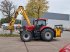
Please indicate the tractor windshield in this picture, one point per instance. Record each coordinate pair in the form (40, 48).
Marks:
(40, 22)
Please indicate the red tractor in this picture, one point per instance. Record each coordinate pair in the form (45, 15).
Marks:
(37, 30)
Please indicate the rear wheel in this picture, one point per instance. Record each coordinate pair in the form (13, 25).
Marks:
(47, 34)
(26, 36)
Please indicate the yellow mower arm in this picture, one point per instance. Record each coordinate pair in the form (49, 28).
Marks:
(21, 9)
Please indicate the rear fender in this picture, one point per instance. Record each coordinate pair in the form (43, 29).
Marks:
(44, 27)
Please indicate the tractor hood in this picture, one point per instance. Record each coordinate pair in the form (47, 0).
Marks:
(29, 28)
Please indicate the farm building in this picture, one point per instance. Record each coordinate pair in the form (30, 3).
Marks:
(58, 19)
(55, 19)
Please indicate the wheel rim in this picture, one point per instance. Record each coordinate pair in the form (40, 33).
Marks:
(26, 36)
(48, 35)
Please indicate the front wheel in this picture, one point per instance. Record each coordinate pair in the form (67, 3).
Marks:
(47, 34)
(26, 36)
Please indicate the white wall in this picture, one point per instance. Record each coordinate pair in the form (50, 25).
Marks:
(51, 23)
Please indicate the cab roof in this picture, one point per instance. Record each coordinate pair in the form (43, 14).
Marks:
(42, 19)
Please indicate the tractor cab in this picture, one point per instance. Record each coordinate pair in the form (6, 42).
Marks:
(39, 23)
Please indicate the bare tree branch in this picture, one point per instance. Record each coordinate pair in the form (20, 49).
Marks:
(7, 8)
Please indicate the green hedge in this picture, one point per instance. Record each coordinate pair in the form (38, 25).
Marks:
(9, 35)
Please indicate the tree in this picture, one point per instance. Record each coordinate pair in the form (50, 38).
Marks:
(35, 8)
(4, 20)
(7, 8)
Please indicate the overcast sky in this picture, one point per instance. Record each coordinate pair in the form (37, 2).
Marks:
(55, 6)
(59, 6)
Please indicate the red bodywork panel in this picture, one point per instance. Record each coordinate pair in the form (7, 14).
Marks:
(43, 27)
(65, 49)
(30, 28)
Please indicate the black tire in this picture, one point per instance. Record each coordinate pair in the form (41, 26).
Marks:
(26, 36)
(47, 34)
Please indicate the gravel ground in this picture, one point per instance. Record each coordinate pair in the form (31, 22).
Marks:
(14, 44)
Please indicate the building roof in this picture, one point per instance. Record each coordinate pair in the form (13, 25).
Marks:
(56, 16)
(42, 19)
